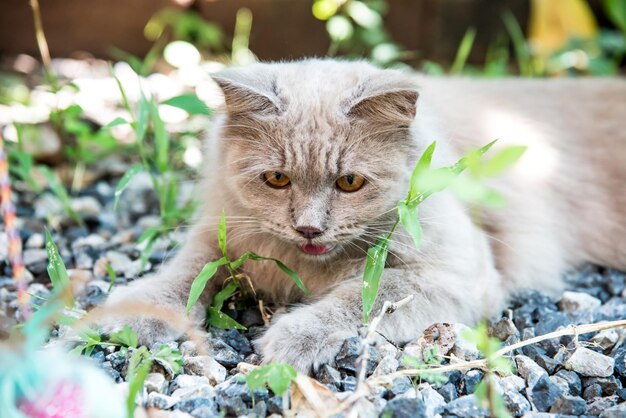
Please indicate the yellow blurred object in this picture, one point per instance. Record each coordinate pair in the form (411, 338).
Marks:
(554, 22)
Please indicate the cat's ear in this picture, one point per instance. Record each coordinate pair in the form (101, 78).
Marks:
(391, 103)
(248, 92)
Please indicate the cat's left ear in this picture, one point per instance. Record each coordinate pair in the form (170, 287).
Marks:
(249, 90)
(394, 101)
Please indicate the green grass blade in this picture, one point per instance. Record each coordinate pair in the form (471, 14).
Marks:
(465, 47)
(128, 176)
(137, 373)
(221, 235)
(199, 283)
(503, 160)
(376, 257)
(161, 140)
(114, 122)
(219, 319)
(56, 270)
(422, 166)
(190, 103)
(222, 295)
(519, 44)
(289, 272)
(125, 336)
(408, 218)
(112, 277)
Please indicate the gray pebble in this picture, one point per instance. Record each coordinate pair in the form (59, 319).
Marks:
(590, 363)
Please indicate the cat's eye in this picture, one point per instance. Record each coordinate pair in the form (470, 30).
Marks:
(350, 182)
(276, 179)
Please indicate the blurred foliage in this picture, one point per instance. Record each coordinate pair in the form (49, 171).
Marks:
(356, 29)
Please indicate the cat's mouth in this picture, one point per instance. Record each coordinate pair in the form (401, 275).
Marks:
(316, 249)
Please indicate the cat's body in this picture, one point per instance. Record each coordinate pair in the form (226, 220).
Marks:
(316, 121)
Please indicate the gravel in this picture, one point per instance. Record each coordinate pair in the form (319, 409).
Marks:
(558, 377)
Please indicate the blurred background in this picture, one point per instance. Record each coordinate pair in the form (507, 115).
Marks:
(101, 90)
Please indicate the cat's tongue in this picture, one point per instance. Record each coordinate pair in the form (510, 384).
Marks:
(314, 249)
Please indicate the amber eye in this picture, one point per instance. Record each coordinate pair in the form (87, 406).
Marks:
(276, 179)
(350, 183)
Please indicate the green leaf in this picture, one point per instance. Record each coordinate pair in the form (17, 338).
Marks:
(222, 295)
(408, 218)
(503, 160)
(57, 271)
(199, 283)
(221, 234)
(463, 52)
(112, 276)
(171, 359)
(161, 140)
(125, 336)
(277, 376)
(421, 167)
(376, 257)
(616, 11)
(190, 103)
(141, 127)
(219, 319)
(114, 122)
(294, 276)
(462, 164)
(128, 176)
(138, 369)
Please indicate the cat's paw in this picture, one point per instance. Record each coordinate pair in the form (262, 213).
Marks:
(303, 340)
(149, 313)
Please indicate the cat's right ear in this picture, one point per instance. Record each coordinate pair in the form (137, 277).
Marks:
(248, 92)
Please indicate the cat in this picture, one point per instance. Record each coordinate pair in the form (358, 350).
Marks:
(309, 158)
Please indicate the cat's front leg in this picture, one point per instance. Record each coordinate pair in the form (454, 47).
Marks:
(155, 306)
(312, 335)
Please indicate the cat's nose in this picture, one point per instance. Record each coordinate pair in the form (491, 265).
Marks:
(308, 231)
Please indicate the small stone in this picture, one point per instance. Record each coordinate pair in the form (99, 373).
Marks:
(234, 407)
(275, 405)
(206, 366)
(35, 259)
(36, 240)
(87, 207)
(159, 401)
(188, 349)
(470, 380)
(620, 360)
(544, 393)
(465, 406)
(592, 392)
(400, 385)
(386, 366)
(155, 382)
(615, 281)
(610, 385)
(186, 381)
(503, 329)
(621, 393)
(432, 399)
(590, 363)
(328, 375)
(236, 387)
(617, 411)
(259, 410)
(569, 405)
(448, 391)
(516, 403)
(605, 339)
(404, 408)
(384, 347)
(578, 301)
(463, 349)
(236, 340)
(193, 392)
(224, 354)
(348, 354)
(349, 384)
(512, 383)
(529, 370)
(600, 405)
(198, 407)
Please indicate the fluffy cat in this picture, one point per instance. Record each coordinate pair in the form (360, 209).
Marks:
(309, 158)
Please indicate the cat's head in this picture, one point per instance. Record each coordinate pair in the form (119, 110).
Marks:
(317, 151)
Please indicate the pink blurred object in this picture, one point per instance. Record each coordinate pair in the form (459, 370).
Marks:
(64, 401)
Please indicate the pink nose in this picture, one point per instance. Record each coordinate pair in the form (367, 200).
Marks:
(308, 231)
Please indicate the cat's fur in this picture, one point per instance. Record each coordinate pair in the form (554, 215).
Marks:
(316, 120)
